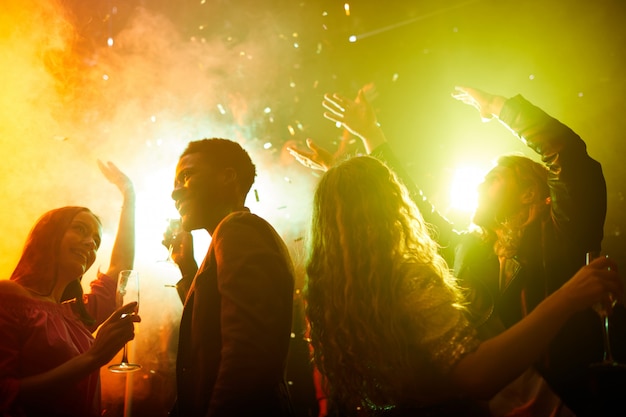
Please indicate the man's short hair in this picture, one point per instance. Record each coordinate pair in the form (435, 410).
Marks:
(225, 153)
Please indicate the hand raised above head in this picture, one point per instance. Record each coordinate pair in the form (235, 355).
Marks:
(357, 116)
(116, 177)
(488, 105)
(318, 158)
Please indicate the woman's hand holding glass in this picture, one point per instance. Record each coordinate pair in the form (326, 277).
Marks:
(114, 333)
(127, 290)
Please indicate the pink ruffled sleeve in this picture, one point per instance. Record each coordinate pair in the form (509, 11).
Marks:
(100, 302)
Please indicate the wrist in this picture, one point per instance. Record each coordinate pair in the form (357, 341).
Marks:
(89, 361)
(496, 104)
(129, 199)
(373, 139)
(560, 305)
(188, 270)
(129, 193)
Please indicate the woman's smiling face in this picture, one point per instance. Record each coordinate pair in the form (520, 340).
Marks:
(79, 245)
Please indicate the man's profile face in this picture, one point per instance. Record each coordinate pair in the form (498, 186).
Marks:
(197, 191)
(499, 197)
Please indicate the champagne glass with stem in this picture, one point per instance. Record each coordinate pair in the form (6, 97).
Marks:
(173, 228)
(127, 291)
(604, 309)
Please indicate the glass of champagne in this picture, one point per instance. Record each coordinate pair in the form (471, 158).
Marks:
(604, 309)
(127, 291)
(173, 228)
(607, 378)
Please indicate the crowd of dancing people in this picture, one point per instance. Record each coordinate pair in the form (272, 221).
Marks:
(406, 315)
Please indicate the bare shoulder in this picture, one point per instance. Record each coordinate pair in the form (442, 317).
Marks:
(12, 288)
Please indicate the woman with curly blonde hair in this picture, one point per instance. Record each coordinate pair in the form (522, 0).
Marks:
(388, 326)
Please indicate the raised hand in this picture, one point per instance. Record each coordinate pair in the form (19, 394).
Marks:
(356, 116)
(116, 177)
(123, 252)
(318, 158)
(488, 105)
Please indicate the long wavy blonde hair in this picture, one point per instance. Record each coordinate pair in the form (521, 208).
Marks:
(365, 232)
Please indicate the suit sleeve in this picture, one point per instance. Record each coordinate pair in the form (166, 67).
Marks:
(255, 281)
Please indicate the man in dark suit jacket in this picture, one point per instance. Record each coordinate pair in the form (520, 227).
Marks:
(236, 322)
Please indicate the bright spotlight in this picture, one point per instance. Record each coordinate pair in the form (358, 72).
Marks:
(463, 192)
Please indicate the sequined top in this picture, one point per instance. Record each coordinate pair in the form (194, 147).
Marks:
(443, 336)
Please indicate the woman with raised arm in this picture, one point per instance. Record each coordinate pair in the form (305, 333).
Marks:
(49, 359)
(536, 223)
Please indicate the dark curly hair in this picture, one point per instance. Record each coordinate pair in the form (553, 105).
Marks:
(225, 153)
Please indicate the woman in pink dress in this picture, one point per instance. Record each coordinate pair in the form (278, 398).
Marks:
(49, 359)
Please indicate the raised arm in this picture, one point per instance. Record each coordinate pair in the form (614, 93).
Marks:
(577, 184)
(317, 158)
(123, 253)
(488, 105)
(100, 302)
(356, 116)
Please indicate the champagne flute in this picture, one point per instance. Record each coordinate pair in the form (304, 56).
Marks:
(607, 378)
(603, 309)
(127, 291)
(173, 228)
